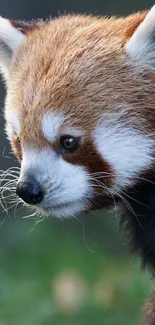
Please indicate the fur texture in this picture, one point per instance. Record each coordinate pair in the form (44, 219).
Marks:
(85, 77)
(89, 80)
(150, 311)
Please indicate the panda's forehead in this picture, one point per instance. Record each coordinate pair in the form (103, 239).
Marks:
(50, 125)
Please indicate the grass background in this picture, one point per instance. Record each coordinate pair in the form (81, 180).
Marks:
(69, 272)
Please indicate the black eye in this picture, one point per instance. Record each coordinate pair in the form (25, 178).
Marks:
(69, 143)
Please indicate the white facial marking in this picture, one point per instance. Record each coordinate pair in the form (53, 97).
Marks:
(75, 131)
(50, 125)
(65, 185)
(12, 123)
(10, 39)
(141, 45)
(127, 151)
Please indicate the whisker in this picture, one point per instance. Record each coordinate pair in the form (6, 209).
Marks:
(8, 181)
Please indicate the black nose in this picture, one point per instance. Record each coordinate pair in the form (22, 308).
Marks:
(29, 191)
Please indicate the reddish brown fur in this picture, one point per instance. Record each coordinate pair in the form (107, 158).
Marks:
(86, 65)
(25, 27)
(95, 164)
(78, 65)
(138, 18)
(16, 146)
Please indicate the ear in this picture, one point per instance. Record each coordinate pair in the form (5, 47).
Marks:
(141, 45)
(12, 34)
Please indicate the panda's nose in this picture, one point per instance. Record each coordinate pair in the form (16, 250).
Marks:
(30, 191)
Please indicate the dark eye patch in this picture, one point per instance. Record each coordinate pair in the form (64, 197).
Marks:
(69, 144)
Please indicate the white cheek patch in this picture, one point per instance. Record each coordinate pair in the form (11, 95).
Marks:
(51, 124)
(12, 122)
(62, 182)
(127, 151)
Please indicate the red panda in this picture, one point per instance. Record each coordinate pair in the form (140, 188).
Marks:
(80, 116)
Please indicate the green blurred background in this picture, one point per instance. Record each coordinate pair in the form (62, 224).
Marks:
(64, 272)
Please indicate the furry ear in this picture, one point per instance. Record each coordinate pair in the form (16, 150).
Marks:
(12, 34)
(10, 39)
(141, 45)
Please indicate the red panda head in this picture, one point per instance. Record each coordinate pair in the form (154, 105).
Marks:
(79, 108)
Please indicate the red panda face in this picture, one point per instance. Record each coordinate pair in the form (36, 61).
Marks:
(76, 111)
(56, 175)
